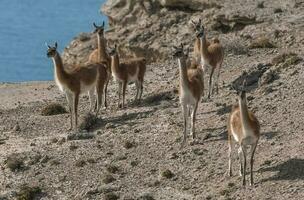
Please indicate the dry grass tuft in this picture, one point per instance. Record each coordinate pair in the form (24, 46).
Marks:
(88, 122)
(167, 174)
(53, 109)
(108, 178)
(15, 163)
(261, 42)
(288, 58)
(111, 196)
(28, 193)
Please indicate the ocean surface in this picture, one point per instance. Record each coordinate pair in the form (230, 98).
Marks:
(25, 26)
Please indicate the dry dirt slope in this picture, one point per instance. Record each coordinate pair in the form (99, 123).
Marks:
(143, 141)
(132, 148)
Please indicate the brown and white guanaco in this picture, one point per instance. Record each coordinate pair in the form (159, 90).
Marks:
(74, 80)
(191, 89)
(100, 55)
(209, 53)
(132, 70)
(244, 127)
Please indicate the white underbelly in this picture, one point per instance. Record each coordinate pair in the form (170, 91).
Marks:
(130, 78)
(235, 136)
(187, 97)
(60, 86)
(85, 88)
(134, 77)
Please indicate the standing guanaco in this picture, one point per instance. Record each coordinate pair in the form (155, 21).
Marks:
(211, 54)
(132, 70)
(100, 55)
(244, 127)
(191, 89)
(74, 80)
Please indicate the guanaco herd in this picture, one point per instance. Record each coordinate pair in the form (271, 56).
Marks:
(94, 76)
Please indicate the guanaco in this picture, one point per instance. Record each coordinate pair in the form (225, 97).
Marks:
(191, 89)
(100, 55)
(132, 70)
(76, 80)
(244, 127)
(210, 53)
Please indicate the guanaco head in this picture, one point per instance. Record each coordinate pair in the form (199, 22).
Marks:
(242, 92)
(52, 51)
(99, 29)
(196, 25)
(112, 51)
(200, 32)
(198, 28)
(178, 52)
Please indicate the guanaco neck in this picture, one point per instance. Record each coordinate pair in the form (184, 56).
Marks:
(184, 82)
(115, 63)
(244, 115)
(102, 54)
(204, 46)
(59, 70)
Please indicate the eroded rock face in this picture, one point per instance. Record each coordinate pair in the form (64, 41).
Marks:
(142, 28)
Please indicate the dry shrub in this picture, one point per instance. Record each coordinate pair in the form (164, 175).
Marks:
(15, 162)
(167, 174)
(288, 58)
(28, 193)
(88, 122)
(53, 109)
(261, 42)
(111, 196)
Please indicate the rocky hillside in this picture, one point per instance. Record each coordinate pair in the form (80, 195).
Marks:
(134, 153)
(151, 27)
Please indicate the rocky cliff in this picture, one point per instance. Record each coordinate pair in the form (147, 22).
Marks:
(151, 27)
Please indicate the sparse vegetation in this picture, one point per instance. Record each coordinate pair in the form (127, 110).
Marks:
(80, 163)
(146, 196)
(111, 196)
(80, 136)
(261, 42)
(108, 178)
(288, 58)
(167, 174)
(277, 10)
(112, 168)
(53, 109)
(15, 162)
(28, 193)
(129, 144)
(88, 122)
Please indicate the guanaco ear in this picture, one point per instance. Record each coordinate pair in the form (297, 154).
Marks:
(193, 23)
(199, 20)
(56, 45)
(182, 46)
(95, 25)
(187, 52)
(103, 24)
(48, 46)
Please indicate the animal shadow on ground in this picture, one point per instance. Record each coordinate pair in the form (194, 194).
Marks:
(156, 98)
(124, 119)
(270, 135)
(207, 136)
(220, 134)
(292, 169)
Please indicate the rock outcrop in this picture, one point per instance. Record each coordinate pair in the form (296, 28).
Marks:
(143, 28)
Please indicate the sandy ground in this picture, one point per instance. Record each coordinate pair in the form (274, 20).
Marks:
(142, 141)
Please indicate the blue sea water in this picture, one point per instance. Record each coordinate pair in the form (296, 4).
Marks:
(25, 26)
